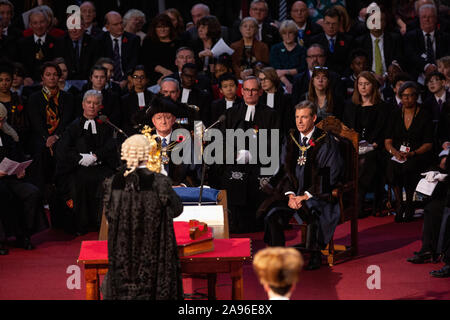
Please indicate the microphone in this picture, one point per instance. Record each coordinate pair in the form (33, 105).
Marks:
(221, 119)
(105, 119)
(193, 106)
(202, 181)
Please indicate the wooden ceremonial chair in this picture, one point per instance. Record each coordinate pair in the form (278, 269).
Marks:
(221, 200)
(346, 193)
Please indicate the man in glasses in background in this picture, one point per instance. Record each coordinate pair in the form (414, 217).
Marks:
(315, 58)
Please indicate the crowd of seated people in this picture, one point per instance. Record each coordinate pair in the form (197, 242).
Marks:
(389, 84)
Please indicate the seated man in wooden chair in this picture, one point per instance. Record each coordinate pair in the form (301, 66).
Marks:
(312, 166)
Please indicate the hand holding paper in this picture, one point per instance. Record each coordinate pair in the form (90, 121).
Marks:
(221, 47)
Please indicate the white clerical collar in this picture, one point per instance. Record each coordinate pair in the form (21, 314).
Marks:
(228, 103)
(141, 99)
(270, 99)
(90, 122)
(250, 113)
(36, 38)
(1, 142)
(185, 95)
(308, 136)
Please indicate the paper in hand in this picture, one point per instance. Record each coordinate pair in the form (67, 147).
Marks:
(11, 167)
(221, 47)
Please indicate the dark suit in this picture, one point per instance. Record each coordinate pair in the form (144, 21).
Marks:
(320, 173)
(43, 165)
(338, 60)
(133, 114)
(200, 99)
(129, 52)
(242, 181)
(311, 30)
(8, 44)
(28, 54)
(414, 42)
(392, 48)
(283, 107)
(88, 55)
(219, 107)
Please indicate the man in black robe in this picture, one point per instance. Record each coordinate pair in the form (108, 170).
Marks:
(243, 179)
(87, 154)
(140, 206)
(22, 209)
(312, 166)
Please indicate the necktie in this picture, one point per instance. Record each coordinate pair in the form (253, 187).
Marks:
(39, 42)
(117, 62)
(331, 46)
(430, 52)
(283, 10)
(440, 104)
(76, 54)
(301, 34)
(304, 141)
(378, 62)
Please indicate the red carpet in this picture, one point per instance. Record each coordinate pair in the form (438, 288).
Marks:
(41, 273)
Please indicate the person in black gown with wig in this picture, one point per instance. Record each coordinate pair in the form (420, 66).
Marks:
(366, 113)
(409, 140)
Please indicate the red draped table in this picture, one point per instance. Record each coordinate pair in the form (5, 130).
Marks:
(228, 257)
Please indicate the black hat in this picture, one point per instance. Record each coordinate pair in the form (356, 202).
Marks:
(160, 104)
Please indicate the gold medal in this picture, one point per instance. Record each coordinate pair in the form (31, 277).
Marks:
(39, 55)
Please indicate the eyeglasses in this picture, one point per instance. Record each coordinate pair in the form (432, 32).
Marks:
(316, 56)
(138, 77)
(252, 91)
(263, 79)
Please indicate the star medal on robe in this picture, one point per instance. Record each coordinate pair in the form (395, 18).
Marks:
(164, 157)
(301, 161)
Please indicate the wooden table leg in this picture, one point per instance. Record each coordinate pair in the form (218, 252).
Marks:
(212, 280)
(237, 287)
(92, 282)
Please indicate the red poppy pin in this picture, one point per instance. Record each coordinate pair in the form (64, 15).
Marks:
(308, 32)
(255, 128)
(99, 121)
(438, 26)
(341, 43)
(51, 45)
(312, 143)
(69, 203)
(20, 107)
(124, 40)
(101, 107)
(180, 139)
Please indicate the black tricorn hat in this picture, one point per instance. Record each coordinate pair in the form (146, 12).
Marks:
(160, 104)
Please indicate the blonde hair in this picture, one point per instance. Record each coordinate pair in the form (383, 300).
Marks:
(288, 26)
(278, 267)
(139, 149)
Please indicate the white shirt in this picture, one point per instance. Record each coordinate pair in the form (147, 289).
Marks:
(381, 46)
(88, 30)
(259, 34)
(185, 95)
(1, 142)
(271, 100)
(250, 113)
(43, 37)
